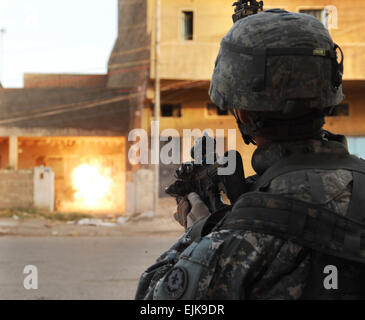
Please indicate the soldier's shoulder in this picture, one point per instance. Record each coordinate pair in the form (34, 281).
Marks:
(330, 188)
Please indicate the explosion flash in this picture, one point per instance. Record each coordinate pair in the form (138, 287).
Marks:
(91, 185)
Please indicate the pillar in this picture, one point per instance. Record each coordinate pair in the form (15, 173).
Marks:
(13, 152)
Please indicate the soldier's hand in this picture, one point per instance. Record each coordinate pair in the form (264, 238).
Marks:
(198, 209)
(183, 209)
(190, 210)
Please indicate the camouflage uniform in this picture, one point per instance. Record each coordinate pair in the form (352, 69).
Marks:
(249, 265)
(280, 74)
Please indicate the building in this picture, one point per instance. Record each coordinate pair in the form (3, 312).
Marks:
(77, 125)
(191, 34)
(75, 121)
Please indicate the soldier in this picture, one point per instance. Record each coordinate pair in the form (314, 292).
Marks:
(281, 74)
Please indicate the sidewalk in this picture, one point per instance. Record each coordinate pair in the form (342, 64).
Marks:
(27, 224)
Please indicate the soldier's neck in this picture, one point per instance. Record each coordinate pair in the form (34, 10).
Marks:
(266, 155)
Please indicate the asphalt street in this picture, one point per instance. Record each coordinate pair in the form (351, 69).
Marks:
(77, 268)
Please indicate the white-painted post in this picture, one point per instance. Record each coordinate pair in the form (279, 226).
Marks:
(43, 188)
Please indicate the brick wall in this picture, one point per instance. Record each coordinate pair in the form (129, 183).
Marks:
(16, 189)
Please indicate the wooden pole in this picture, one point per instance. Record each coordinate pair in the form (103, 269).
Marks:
(157, 105)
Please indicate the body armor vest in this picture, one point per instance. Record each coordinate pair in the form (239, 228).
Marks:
(331, 239)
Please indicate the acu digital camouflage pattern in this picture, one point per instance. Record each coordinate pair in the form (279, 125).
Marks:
(287, 77)
(239, 264)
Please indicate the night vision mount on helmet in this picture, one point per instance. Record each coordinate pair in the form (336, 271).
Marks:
(245, 8)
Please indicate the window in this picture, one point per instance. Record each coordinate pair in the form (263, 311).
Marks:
(341, 110)
(171, 110)
(213, 110)
(320, 14)
(187, 25)
(357, 146)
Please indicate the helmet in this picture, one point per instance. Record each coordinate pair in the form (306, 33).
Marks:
(276, 60)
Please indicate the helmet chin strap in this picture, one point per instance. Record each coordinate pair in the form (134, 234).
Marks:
(246, 137)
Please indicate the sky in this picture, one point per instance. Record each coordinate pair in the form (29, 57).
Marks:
(55, 36)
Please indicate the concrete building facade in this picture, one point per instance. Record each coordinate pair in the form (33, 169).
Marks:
(191, 34)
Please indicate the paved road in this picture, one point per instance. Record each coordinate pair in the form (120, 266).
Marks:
(77, 268)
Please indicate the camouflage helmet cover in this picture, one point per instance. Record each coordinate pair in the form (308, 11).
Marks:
(270, 59)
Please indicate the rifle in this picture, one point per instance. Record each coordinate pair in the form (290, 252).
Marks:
(202, 176)
(245, 8)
